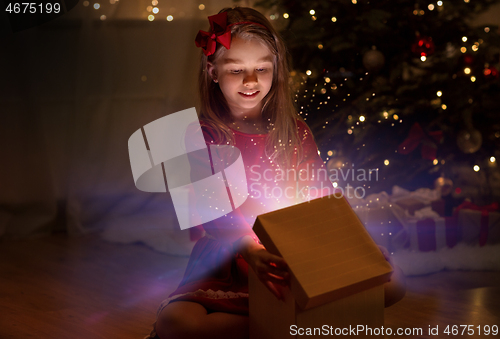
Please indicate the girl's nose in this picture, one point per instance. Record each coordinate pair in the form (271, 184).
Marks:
(250, 78)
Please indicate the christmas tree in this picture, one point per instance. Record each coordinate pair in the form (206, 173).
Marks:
(408, 88)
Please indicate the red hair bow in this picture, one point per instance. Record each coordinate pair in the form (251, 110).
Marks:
(219, 32)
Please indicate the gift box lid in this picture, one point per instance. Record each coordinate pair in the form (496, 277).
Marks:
(328, 250)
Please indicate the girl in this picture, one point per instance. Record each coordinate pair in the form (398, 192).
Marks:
(245, 102)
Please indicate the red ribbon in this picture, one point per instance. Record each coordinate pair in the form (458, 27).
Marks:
(219, 32)
(417, 136)
(485, 210)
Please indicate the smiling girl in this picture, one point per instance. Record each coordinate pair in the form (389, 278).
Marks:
(245, 102)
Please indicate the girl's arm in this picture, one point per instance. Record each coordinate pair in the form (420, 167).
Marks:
(271, 269)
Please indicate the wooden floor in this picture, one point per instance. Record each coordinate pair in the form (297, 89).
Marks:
(59, 287)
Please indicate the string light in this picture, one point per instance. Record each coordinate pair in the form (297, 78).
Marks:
(154, 2)
(467, 70)
(476, 168)
(312, 12)
(464, 39)
(439, 93)
(151, 17)
(440, 3)
(320, 46)
(285, 15)
(201, 7)
(431, 7)
(86, 3)
(423, 58)
(435, 162)
(395, 116)
(308, 72)
(386, 162)
(170, 18)
(473, 78)
(487, 29)
(463, 49)
(155, 10)
(103, 17)
(474, 48)
(97, 5)
(334, 19)
(492, 159)
(443, 106)
(361, 118)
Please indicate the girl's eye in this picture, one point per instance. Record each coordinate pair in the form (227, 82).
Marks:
(261, 70)
(236, 71)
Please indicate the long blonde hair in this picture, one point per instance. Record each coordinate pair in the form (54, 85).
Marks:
(278, 111)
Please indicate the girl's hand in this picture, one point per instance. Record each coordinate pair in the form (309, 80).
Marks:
(271, 269)
(386, 254)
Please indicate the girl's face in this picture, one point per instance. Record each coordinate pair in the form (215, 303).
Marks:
(245, 75)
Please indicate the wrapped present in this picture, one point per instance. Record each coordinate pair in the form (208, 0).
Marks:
(478, 224)
(432, 234)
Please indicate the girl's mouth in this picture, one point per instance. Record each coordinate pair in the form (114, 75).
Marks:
(249, 95)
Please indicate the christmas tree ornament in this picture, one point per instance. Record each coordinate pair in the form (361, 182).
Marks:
(469, 141)
(490, 72)
(373, 60)
(467, 59)
(423, 46)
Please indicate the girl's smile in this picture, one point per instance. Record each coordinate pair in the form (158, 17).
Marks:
(245, 75)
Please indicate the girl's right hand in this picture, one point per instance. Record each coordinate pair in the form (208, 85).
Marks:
(271, 269)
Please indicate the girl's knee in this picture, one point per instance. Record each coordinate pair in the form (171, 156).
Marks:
(175, 323)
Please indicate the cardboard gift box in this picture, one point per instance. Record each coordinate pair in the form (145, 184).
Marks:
(337, 270)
